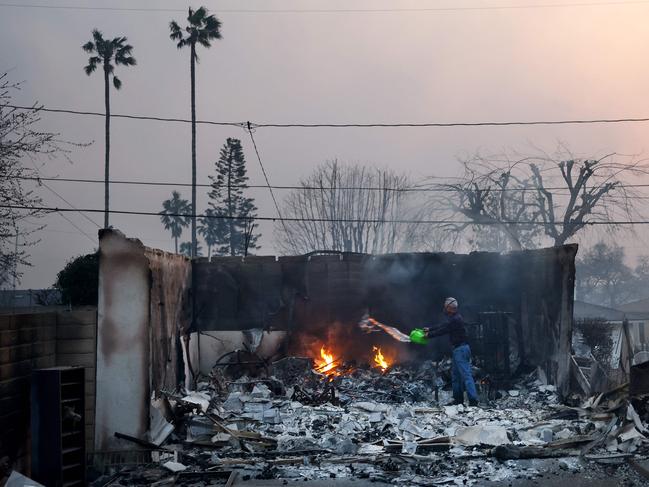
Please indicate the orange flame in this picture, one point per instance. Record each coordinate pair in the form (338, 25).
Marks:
(380, 360)
(327, 365)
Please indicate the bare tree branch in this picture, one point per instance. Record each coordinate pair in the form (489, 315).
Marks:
(20, 141)
(516, 199)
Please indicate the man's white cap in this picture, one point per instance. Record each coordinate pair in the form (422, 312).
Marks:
(450, 303)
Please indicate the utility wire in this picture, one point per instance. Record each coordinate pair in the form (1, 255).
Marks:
(448, 124)
(263, 170)
(250, 186)
(40, 228)
(71, 206)
(117, 115)
(270, 188)
(62, 215)
(340, 10)
(336, 220)
(256, 125)
(307, 188)
(40, 182)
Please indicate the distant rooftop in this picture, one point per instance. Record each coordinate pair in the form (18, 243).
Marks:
(28, 298)
(583, 310)
(641, 306)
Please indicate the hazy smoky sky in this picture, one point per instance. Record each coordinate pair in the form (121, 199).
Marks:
(463, 65)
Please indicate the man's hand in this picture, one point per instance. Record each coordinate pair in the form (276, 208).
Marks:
(426, 330)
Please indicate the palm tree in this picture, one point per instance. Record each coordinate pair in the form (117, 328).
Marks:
(172, 215)
(213, 229)
(201, 29)
(104, 52)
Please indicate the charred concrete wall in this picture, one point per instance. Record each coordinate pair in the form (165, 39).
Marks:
(170, 316)
(321, 292)
(35, 340)
(142, 312)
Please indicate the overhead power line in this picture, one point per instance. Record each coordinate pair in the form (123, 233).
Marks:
(62, 215)
(415, 189)
(71, 206)
(117, 115)
(263, 170)
(256, 125)
(338, 10)
(80, 230)
(450, 124)
(327, 220)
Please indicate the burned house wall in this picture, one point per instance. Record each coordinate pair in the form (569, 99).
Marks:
(234, 295)
(170, 316)
(323, 294)
(33, 340)
(276, 295)
(142, 312)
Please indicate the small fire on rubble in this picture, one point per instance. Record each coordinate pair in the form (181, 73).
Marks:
(326, 364)
(379, 360)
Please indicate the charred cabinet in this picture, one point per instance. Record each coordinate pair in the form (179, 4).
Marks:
(58, 437)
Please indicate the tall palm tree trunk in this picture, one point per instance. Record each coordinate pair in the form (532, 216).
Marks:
(107, 143)
(176, 239)
(193, 80)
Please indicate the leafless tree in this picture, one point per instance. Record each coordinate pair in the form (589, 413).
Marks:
(352, 208)
(516, 202)
(20, 143)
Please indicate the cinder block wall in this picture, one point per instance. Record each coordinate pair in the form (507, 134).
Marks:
(27, 341)
(38, 340)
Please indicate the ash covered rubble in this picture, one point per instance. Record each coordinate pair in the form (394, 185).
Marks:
(294, 423)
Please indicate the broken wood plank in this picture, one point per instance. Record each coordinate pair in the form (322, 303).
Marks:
(220, 426)
(573, 441)
(240, 435)
(293, 460)
(601, 438)
(137, 441)
(513, 452)
(609, 458)
(535, 425)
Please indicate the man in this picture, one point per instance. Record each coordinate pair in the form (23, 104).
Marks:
(461, 376)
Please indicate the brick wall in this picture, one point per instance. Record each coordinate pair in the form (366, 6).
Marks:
(39, 340)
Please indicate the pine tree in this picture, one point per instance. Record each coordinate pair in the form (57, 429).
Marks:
(227, 198)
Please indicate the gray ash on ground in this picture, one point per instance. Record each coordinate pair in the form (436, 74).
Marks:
(392, 427)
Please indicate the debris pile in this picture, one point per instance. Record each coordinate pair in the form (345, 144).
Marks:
(390, 426)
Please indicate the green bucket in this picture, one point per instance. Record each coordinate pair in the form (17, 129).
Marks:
(418, 336)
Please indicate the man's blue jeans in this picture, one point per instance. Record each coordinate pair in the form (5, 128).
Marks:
(461, 374)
